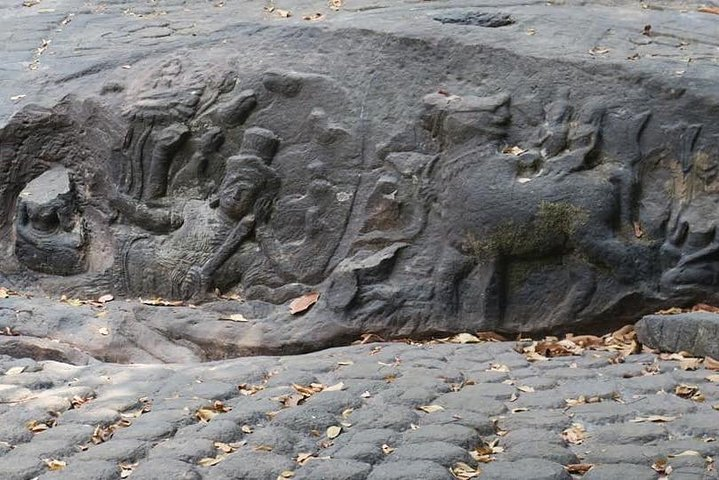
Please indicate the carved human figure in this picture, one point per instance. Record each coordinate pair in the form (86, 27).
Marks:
(49, 237)
(202, 235)
(690, 254)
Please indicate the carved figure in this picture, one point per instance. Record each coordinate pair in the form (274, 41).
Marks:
(50, 239)
(203, 235)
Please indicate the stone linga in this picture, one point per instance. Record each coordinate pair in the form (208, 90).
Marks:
(425, 172)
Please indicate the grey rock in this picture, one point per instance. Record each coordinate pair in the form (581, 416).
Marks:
(621, 470)
(530, 468)
(204, 168)
(410, 471)
(334, 469)
(695, 332)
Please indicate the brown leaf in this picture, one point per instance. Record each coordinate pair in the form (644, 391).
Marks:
(301, 304)
(464, 338)
(578, 468)
(653, 419)
(670, 311)
(159, 302)
(54, 465)
(526, 389)
(689, 391)
(211, 461)
(431, 408)
(714, 10)
(262, 448)
(247, 389)
(491, 337)
(313, 17)
(283, 13)
(690, 363)
(586, 341)
(462, 471)
(37, 427)
(335, 4)
(661, 465)
(703, 307)
(575, 434)
(711, 364)
(386, 449)
(303, 458)
(205, 414)
(515, 150)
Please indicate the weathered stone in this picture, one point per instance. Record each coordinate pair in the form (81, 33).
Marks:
(696, 333)
(204, 169)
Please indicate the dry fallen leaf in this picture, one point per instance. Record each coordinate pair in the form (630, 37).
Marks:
(15, 371)
(526, 389)
(103, 331)
(711, 364)
(653, 419)
(689, 391)
(581, 400)
(334, 432)
(159, 302)
(497, 367)
(262, 448)
(661, 465)
(283, 13)
(211, 461)
(598, 51)
(515, 150)
(713, 378)
(386, 449)
(235, 317)
(431, 408)
(714, 10)
(335, 388)
(464, 338)
(126, 469)
(54, 465)
(247, 429)
(286, 474)
(205, 414)
(575, 434)
(301, 304)
(313, 16)
(335, 4)
(578, 468)
(462, 471)
(303, 458)
(106, 298)
(690, 363)
(247, 389)
(36, 427)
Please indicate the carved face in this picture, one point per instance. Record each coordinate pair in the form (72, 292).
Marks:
(238, 193)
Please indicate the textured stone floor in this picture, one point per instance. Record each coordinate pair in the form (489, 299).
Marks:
(372, 411)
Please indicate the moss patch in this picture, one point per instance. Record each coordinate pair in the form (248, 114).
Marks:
(553, 225)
